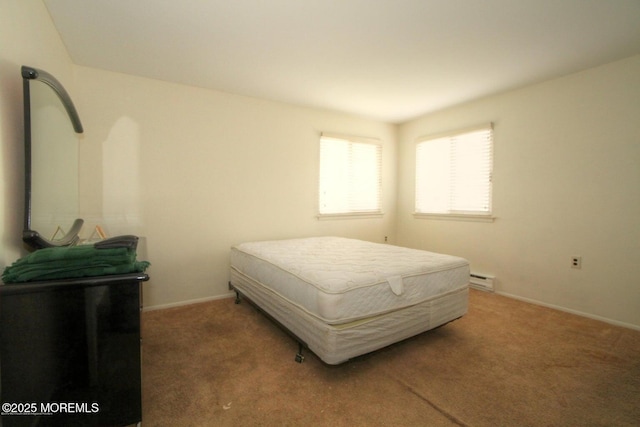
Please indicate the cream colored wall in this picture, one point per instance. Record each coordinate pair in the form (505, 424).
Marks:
(195, 171)
(27, 37)
(566, 182)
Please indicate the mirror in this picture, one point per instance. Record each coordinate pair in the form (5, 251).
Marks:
(51, 128)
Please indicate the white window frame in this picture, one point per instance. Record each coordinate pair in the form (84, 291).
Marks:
(339, 176)
(440, 192)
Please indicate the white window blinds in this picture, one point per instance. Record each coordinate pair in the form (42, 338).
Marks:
(350, 175)
(453, 173)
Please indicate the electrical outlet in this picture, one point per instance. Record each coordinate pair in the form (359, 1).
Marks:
(576, 262)
(385, 239)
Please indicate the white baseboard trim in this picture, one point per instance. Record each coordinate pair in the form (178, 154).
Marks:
(188, 302)
(568, 310)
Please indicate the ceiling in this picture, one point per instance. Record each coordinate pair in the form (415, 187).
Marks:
(390, 60)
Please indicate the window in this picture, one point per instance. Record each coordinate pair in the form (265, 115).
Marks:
(350, 175)
(453, 173)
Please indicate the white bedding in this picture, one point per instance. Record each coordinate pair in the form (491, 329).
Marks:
(339, 280)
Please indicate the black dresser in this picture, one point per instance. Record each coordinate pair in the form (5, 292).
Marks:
(70, 352)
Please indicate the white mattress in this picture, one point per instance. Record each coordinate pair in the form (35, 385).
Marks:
(339, 280)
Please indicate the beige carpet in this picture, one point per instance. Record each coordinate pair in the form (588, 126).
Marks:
(506, 363)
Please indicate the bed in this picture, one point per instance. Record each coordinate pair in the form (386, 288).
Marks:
(342, 298)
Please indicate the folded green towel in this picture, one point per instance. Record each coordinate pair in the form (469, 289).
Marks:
(82, 252)
(73, 262)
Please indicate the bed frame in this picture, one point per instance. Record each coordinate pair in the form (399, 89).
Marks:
(299, 357)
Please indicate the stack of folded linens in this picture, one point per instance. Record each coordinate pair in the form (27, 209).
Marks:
(73, 262)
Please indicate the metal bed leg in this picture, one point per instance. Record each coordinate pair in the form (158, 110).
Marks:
(299, 356)
(231, 288)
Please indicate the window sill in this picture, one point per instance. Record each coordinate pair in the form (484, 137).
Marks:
(354, 215)
(455, 217)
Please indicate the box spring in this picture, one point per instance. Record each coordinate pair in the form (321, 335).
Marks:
(335, 344)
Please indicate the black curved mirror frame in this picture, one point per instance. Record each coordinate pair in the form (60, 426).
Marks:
(31, 237)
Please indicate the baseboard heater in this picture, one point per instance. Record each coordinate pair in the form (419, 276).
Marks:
(481, 281)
